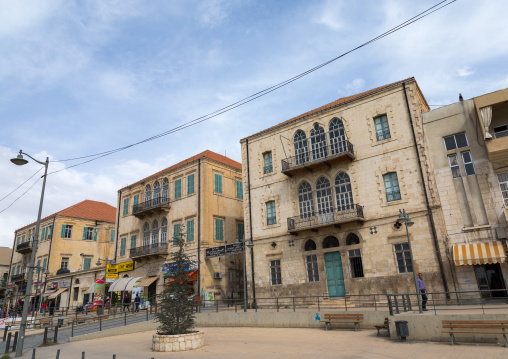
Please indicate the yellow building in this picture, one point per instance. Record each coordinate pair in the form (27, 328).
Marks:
(201, 199)
(70, 241)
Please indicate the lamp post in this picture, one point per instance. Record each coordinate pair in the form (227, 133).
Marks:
(20, 161)
(112, 262)
(404, 218)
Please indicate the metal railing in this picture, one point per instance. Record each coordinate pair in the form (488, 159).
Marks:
(147, 250)
(24, 246)
(150, 204)
(333, 216)
(318, 154)
(17, 277)
(500, 134)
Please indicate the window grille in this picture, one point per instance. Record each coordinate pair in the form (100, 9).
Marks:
(271, 217)
(275, 272)
(355, 263)
(267, 161)
(403, 258)
(454, 166)
(312, 268)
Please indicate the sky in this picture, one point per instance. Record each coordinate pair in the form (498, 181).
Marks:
(84, 77)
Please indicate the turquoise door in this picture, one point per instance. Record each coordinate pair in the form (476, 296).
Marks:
(334, 274)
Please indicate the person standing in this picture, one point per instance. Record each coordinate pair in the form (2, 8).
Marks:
(423, 291)
(44, 306)
(126, 302)
(137, 302)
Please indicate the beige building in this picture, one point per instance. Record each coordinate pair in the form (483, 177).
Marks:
(468, 151)
(5, 261)
(201, 199)
(322, 197)
(70, 241)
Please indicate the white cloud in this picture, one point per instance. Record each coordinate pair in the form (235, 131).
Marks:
(331, 15)
(465, 71)
(355, 86)
(213, 12)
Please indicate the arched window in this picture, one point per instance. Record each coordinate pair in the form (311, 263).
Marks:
(29, 235)
(165, 190)
(156, 193)
(324, 200)
(146, 235)
(301, 147)
(164, 231)
(343, 192)
(318, 142)
(305, 200)
(76, 281)
(148, 194)
(330, 242)
(155, 232)
(310, 245)
(352, 239)
(337, 137)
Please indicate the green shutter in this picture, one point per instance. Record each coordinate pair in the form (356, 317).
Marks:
(218, 183)
(122, 246)
(133, 241)
(176, 233)
(239, 189)
(190, 230)
(95, 231)
(112, 238)
(63, 231)
(178, 188)
(190, 184)
(136, 199)
(241, 231)
(51, 231)
(125, 206)
(86, 263)
(38, 266)
(44, 264)
(85, 229)
(219, 229)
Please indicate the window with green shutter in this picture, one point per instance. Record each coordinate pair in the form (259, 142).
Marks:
(178, 188)
(241, 231)
(95, 233)
(112, 236)
(190, 184)
(382, 128)
(38, 266)
(23, 238)
(50, 231)
(271, 217)
(44, 265)
(133, 241)
(87, 262)
(267, 161)
(122, 246)
(176, 233)
(190, 230)
(392, 187)
(219, 229)
(218, 183)
(239, 189)
(135, 203)
(125, 206)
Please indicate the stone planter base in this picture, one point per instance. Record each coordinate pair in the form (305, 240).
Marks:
(177, 343)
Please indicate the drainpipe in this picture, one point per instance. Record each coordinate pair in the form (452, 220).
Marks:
(117, 223)
(199, 227)
(250, 226)
(429, 210)
(50, 246)
(70, 289)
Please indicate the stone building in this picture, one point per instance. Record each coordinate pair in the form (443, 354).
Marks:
(322, 197)
(201, 199)
(70, 241)
(468, 151)
(5, 261)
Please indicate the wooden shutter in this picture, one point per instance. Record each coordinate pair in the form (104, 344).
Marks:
(133, 241)
(63, 231)
(95, 231)
(136, 199)
(190, 231)
(190, 184)
(122, 246)
(51, 231)
(112, 239)
(176, 233)
(85, 229)
(218, 183)
(86, 263)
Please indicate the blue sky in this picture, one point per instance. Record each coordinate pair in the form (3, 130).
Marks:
(77, 78)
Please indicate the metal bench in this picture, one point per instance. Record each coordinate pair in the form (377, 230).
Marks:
(385, 325)
(485, 327)
(355, 319)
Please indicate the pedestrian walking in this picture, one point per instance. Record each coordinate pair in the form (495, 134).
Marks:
(423, 291)
(137, 302)
(126, 302)
(44, 306)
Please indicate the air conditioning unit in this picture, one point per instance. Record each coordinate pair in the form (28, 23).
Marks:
(217, 275)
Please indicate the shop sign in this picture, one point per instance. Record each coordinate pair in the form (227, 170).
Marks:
(120, 267)
(10, 286)
(226, 250)
(64, 283)
(111, 275)
(38, 285)
(168, 268)
(152, 269)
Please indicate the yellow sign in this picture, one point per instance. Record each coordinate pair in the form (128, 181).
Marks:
(120, 267)
(112, 275)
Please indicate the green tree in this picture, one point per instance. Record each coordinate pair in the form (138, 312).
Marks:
(176, 309)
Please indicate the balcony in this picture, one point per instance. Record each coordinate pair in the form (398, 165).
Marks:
(149, 250)
(333, 217)
(17, 277)
(151, 207)
(24, 247)
(314, 156)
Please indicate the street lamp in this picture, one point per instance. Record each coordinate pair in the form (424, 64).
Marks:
(112, 262)
(20, 161)
(404, 218)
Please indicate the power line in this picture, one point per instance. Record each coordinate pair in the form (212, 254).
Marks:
(38, 179)
(260, 93)
(15, 189)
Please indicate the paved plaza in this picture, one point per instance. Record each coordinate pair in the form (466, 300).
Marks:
(245, 343)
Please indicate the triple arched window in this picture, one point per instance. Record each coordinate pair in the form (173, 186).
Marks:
(146, 235)
(165, 189)
(156, 193)
(325, 200)
(148, 193)
(155, 232)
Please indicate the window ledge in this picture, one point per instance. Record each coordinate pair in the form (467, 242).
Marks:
(382, 142)
(476, 228)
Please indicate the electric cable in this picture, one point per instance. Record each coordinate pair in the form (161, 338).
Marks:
(38, 179)
(14, 190)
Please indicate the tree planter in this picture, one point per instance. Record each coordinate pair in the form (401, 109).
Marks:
(177, 343)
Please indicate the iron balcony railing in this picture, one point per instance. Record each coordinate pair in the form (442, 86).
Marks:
(148, 250)
(500, 134)
(315, 154)
(17, 277)
(153, 203)
(311, 220)
(24, 246)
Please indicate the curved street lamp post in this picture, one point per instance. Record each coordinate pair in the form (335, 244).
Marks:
(20, 161)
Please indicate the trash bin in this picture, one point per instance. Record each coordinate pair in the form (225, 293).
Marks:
(402, 330)
(60, 322)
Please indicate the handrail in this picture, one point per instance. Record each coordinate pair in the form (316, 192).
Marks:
(333, 215)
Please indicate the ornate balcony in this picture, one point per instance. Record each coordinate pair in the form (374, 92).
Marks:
(313, 221)
(24, 247)
(314, 156)
(17, 277)
(152, 206)
(149, 250)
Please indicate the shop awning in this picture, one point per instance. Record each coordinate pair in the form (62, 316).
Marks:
(479, 253)
(145, 282)
(123, 284)
(48, 293)
(57, 293)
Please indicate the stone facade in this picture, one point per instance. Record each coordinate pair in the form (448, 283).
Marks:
(472, 203)
(177, 343)
(295, 235)
(201, 206)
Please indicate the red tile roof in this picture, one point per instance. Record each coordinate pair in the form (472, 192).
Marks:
(335, 103)
(87, 209)
(206, 154)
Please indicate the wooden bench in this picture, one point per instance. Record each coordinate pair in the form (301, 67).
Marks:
(497, 327)
(102, 317)
(43, 322)
(356, 319)
(385, 325)
(13, 323)
(79, 320)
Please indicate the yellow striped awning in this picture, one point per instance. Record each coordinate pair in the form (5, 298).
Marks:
(479, 253)
(57, 293)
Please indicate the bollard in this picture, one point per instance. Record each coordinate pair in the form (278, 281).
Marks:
(45, 340)
(294, 308)
(33, 354)
(5, 332)
(56, 335)
(114, 356)
(100, 324)
(72, 329)
(318, 306)
(83, 355)
(8, 343)
(404, 303)
(277, 303)
(409, 303)
(15, 342)
(57, 354)
(146, 313)
(125, 318)
(217, 302)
